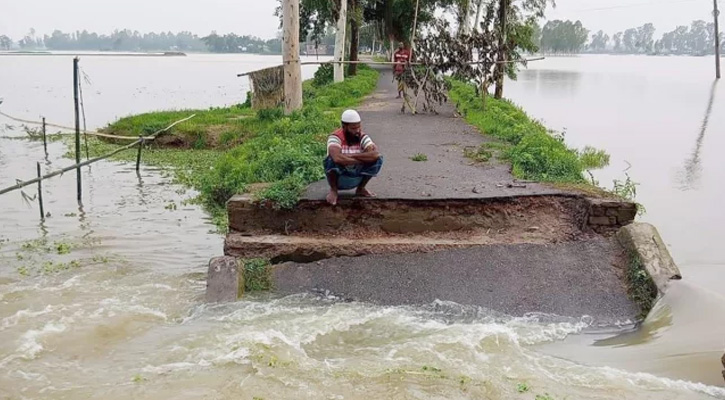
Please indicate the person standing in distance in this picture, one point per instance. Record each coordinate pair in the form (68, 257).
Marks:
(352, 158)
(401, 58)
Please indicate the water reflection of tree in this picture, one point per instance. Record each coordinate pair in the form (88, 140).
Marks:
(690, 176)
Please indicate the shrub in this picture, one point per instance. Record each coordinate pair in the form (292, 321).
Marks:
(324, 75)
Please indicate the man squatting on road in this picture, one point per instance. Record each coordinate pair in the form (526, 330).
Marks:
(352, 158)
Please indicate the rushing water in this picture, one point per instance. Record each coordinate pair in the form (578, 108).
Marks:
(119, 314)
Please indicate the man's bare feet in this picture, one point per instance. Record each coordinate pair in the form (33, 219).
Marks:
(363, 192)
(332, 198)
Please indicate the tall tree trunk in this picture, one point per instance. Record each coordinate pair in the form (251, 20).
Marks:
(291, 55)
(415, 28)
(338, 68)
(477, 21)
(388, 25)
(464, 23)
(501, 66)
(354, 36)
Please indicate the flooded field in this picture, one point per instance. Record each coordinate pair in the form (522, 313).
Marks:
(103, 300)
(661, 119)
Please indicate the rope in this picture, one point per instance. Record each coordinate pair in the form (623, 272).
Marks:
(22, 184)
(94, 133)
(379, 63)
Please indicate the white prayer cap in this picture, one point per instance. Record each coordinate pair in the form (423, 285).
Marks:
(351, 117)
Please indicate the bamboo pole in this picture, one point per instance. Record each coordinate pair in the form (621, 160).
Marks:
(138, 155)
(45, 140)
(391, 63)
(40, 193)
(78, 129)
(716, 14)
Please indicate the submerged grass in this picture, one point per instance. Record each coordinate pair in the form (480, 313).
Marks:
(225, 150)
(534, 152)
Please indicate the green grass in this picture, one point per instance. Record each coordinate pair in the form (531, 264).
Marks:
(212, 128)
(479, 154)
(222, 151)
(642, 289)
(287, 152)
(419, 157)
(256, 275)
(522, 387)
(534, 152)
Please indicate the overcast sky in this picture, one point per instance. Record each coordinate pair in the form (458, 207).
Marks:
(255, 16)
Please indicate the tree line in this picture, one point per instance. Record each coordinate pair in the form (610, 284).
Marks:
(127, 40)
(572, 37)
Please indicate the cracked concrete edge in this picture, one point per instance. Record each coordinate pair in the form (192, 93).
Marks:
(644, 240)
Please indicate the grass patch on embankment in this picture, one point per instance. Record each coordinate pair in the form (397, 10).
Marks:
(212, 128)
(534, 152)
(285, 152)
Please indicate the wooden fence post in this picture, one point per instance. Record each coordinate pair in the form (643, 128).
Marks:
(40, 193)
(78, 128)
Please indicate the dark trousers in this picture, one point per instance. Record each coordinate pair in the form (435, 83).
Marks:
(350, 177)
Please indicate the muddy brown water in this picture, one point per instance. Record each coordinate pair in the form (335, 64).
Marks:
(119, 314)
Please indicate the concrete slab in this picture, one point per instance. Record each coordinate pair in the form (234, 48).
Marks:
(567, 279)
(225, 280)
(645, 241)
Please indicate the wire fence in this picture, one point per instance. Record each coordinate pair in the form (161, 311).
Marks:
(136, 142)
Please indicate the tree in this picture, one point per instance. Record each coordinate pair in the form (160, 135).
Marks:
(645, 41)
(617, 38)
(630, 40)
(28, 41)
(462, 9)
(5, 42)
(341, 18)
(698, 39)
(599, 41)
(356, 20)
(395, 17)
(536, 34)
(515, 27)
(563, 37)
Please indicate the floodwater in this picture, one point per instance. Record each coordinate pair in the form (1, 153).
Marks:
(662, 119)
(103, 300)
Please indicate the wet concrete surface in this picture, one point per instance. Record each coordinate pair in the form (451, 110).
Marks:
(568, 279)
(443, 139)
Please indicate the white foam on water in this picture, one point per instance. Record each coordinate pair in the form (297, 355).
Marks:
(114, 305)
(14, 319)
(29, 342)
(29, 376)
(173, 367)
(158, 286)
